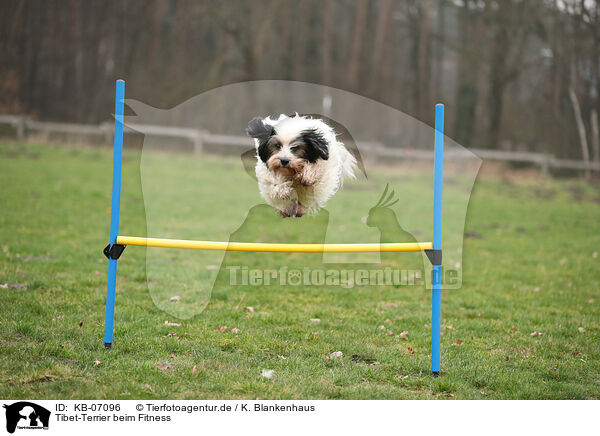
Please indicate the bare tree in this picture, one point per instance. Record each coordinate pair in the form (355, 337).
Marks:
(423, 56)
(595, 136)
(357, 43)
(580, 129)
(503, 62)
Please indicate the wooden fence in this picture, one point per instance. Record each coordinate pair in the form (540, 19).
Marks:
(23, 126)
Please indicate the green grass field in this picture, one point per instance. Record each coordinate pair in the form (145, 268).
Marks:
(530, 264)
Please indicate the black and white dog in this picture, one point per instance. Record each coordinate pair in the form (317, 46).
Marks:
(300, 163)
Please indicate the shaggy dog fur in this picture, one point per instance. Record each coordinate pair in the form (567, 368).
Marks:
(300, 163)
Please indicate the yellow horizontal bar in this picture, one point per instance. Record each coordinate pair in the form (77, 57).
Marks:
(275, 248)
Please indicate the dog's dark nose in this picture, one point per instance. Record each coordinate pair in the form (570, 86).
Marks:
(284, 162)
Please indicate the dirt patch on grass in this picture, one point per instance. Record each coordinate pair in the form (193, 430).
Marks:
(356, 358)
(13, 285)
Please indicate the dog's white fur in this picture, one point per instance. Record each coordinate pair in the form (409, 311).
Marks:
(324, 177)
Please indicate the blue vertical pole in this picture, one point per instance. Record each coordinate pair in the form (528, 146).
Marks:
(114, 213)
(436, 275)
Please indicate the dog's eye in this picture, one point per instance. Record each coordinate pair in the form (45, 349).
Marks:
(295, 148)
(278, 146)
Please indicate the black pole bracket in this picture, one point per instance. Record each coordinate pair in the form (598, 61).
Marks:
(434, 256)
(114, 251)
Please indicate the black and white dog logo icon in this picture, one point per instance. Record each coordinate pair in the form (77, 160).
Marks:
(26, 415)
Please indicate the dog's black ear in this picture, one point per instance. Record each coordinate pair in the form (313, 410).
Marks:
(342, 135)
(263, 152)
(259, 130)
(316, 144)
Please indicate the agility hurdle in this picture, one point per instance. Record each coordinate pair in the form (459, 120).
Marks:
(433, 250)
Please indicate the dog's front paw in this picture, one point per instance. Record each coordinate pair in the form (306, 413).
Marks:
(303, 180)
(306, 177)
(285, 213)
(293, 209)
(289, 210)
(283, 191)
(300, 210)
